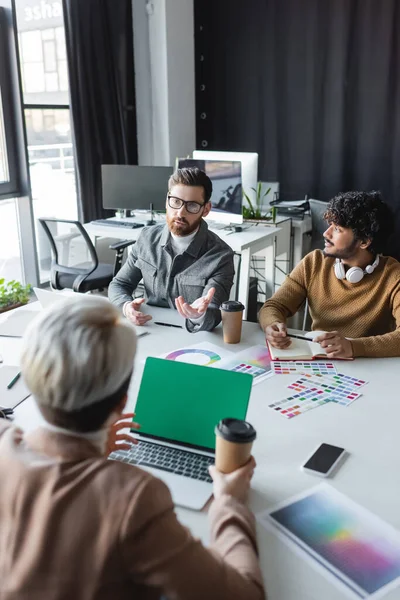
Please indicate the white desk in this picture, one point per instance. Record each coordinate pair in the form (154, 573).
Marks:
(252, 240)
(368, 430)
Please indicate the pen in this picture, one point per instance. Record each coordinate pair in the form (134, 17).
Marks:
(14, 380)
(167, 324)
(299, 337)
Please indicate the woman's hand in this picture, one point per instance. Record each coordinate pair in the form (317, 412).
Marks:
(121, 441)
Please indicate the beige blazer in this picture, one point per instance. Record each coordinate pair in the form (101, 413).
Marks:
(74, 526)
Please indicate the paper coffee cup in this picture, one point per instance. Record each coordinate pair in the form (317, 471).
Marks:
(232, 318)
(234, 440)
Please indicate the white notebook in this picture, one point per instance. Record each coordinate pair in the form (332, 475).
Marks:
(299, 349)
(11, 398)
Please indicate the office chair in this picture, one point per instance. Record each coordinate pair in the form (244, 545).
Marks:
(75, 263)
(317, 208)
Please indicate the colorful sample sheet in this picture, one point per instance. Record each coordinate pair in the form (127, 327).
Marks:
(341, 393)
(286, 367)
(354, 548)
(300, 403)
(255, 360)
(204, 354)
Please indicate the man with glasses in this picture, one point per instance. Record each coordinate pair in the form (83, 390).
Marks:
(183, 265)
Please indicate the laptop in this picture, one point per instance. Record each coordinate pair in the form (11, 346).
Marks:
(178, 407)
(48, 298)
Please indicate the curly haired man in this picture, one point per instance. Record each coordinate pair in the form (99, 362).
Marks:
(353, 291)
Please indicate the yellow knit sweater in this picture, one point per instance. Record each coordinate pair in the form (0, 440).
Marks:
(368, 311)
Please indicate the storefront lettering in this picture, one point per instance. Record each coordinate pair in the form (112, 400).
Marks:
(44, 10)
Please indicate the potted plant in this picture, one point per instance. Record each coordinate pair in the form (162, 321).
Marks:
(13, 294)
(254, 211)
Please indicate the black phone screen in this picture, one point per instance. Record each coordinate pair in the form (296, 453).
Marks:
(323, 459)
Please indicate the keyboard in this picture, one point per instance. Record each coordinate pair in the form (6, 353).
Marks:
(118, 223)
(180, 462)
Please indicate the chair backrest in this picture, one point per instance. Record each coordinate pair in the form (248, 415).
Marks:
(319, 225)
(71, 246)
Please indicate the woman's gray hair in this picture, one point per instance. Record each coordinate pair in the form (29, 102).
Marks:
(77, 352)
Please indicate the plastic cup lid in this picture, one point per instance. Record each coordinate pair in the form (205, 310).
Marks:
(232, 306)
(236, 430)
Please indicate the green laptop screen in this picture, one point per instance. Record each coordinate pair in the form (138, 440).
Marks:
(182, 402)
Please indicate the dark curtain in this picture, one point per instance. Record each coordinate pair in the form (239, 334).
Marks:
(99, 37)
(313, 86)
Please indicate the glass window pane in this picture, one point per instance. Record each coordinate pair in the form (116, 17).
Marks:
(31, 46)
(61, 48)
(51, 82)
(52, 173)
(10, 254)
(50, 63)
(48, 34)
(63, 75)
(34, 78)
(42, 50)
(4, 174)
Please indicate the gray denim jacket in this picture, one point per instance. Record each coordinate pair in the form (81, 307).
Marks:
(206, 263)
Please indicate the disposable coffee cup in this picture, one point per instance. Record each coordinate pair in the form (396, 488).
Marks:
(232, 318)
(234, 440)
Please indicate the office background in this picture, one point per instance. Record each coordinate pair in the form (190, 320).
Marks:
(312, 87)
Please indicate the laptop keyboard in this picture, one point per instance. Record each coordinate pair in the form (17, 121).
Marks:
(180, 462)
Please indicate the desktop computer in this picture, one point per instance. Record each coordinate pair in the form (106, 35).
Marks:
(248, 160)
(130, 187)
(226, 177)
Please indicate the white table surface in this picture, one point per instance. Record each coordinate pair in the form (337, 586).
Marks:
(368, 429)
(253, 239)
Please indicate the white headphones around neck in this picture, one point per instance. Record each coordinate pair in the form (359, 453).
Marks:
(354, 274)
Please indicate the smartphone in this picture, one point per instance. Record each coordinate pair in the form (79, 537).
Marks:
(324, 460)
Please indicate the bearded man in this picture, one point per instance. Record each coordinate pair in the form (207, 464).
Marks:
(183, 265)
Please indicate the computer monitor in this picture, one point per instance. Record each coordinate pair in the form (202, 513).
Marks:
(134, 188)
(226, 177)
(249, 162)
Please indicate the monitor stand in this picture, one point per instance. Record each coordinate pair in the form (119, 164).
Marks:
(151, 221)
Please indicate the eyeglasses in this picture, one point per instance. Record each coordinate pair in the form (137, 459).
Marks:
(192, 207)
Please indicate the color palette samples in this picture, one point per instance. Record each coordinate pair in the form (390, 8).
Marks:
(299, 366)
(255, 360)
(339, 392)
(300, 403)
(357, 550)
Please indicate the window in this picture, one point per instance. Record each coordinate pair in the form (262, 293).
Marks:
(10, 253)
(44, 77)
(8, 167)
(4, 174)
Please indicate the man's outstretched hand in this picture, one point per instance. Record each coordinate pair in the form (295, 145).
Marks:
(197, 308)
(133, 313)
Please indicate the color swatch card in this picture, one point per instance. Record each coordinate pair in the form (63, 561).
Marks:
(204, 354)
(341, 393)
(255, 360)
(341, 378)
(298, 366)
(349, 545)
(300, 403)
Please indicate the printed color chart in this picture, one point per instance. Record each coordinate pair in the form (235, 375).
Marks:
(340, 393)
(300, 403)
(354, 548)
(291, 368)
